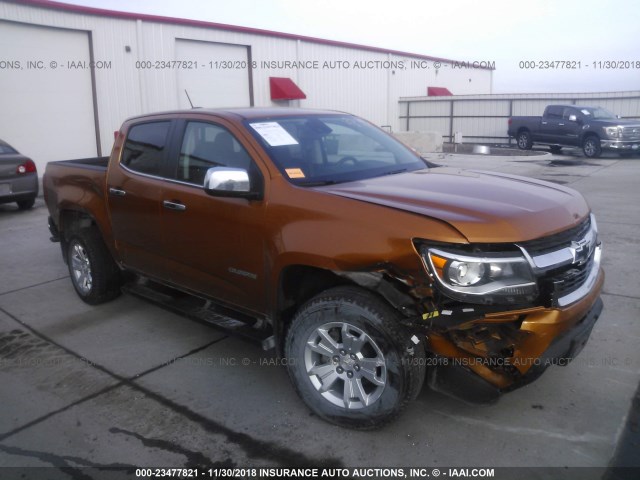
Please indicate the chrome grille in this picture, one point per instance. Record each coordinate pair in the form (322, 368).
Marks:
(557, 241)
(568, 279)
(566, 263)
(631, 133)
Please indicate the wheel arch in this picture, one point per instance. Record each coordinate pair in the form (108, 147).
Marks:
(70, 222)
(587, 134)
(296, 285)
(300, 283)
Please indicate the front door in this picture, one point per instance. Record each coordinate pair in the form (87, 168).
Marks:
(215, 245)
(571, 127)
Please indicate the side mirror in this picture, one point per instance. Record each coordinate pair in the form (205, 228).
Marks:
(229, 182)
(573, 118)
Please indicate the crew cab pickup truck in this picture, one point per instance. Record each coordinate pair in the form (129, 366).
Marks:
(366, 267)
(591, 128)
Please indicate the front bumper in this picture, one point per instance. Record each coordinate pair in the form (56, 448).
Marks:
(564, 348)
(480, 360)
(621, 145)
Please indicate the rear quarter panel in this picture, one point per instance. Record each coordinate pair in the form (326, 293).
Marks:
(77, 188)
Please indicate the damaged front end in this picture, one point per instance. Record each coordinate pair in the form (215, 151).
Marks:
(496, 316)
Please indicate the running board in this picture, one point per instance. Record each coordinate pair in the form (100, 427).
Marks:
(200, 310)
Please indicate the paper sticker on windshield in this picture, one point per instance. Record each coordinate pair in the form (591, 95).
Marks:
(294, 172)
(586, 112)
(274, 134)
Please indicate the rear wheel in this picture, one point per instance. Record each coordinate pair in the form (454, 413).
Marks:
(591, 147)
(94, 274)
(26, 204)
(350, 360)
(524, 140)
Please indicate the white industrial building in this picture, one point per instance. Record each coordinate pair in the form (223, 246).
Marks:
(70, 75)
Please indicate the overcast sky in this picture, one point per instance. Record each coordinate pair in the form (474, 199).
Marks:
(504, 31)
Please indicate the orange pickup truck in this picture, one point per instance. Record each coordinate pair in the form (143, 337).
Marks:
(369, 269)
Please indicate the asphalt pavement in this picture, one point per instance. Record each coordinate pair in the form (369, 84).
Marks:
(129, 384)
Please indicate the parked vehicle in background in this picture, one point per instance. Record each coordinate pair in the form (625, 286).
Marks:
(591, 128)
(18, 177)
(369, 269)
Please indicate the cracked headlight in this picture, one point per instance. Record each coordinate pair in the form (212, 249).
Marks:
(481, 278)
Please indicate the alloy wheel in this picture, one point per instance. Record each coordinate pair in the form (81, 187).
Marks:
(345, 365)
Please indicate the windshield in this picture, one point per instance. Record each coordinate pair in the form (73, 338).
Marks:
(597, 113)
(320, 150)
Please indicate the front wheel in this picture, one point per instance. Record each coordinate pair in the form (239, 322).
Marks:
(94, 274)
(591, 147)
(350, 360)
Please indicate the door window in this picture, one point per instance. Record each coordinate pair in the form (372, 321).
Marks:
(554, 112)
(206, 145)
(144, 148)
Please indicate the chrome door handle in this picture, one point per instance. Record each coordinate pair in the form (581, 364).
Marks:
(117, 192)
(174, 206)
(544, 123)
(561, 124)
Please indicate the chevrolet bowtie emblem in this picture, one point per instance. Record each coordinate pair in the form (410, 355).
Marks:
(579, 251)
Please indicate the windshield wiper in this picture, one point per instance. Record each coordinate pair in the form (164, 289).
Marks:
(430, 164)
(395, 172)
(317, 183)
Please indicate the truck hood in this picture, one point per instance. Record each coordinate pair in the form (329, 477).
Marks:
(485, 207)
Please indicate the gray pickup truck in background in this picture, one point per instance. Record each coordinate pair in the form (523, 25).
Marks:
(591, 128)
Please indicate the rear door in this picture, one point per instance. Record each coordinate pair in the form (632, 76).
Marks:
(549, 126)
(134, 189)
(213, 245)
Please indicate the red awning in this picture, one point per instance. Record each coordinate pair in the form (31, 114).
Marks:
(283, 88)
(438, 92)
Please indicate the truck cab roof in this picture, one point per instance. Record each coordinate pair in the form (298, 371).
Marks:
(245, 113)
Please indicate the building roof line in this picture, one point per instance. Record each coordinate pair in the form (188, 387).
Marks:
(221, 26)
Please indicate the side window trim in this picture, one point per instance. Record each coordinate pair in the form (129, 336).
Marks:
(173, 153)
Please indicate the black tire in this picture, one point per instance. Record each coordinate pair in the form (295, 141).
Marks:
(368, 344)
(591, 147)
(524, 140)
(26, 204)
(555, 148)
(94, 275)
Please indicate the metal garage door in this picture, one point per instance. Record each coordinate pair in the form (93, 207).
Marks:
(222, 76)
(47, 105)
